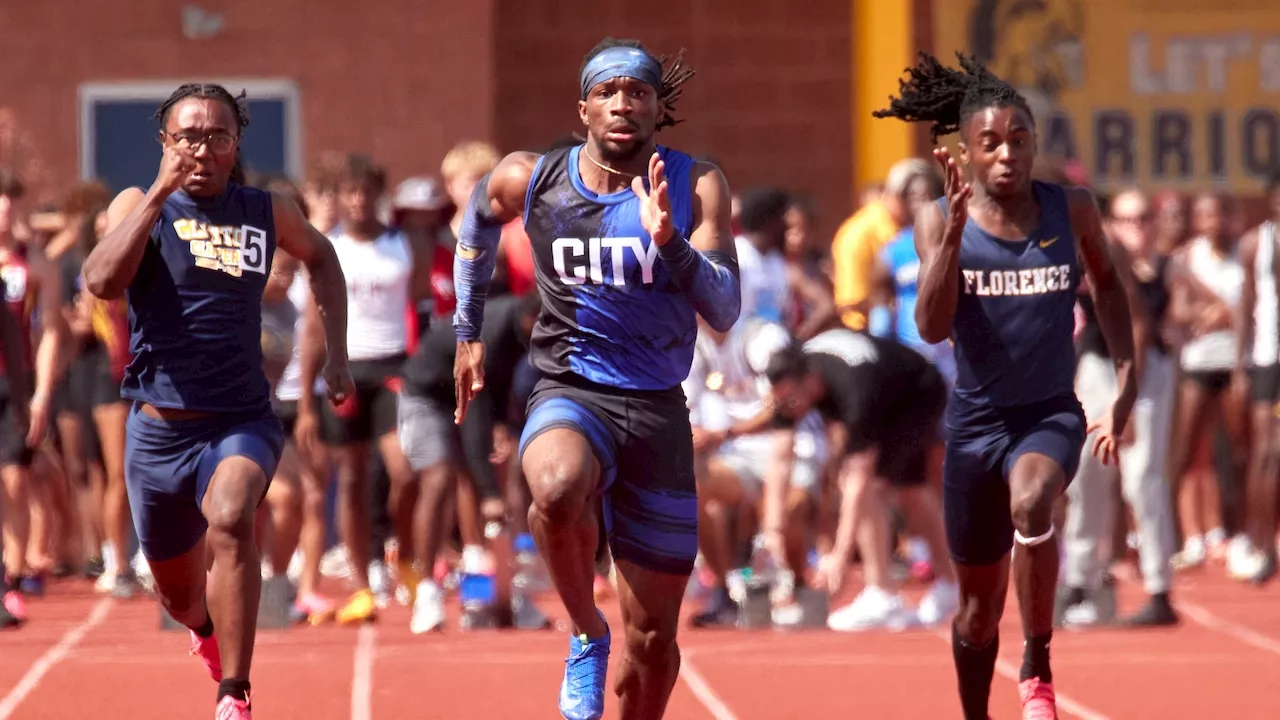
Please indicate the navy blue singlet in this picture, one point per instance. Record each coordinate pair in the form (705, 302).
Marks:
(1014, 320)
(610, 312)
(195, 304)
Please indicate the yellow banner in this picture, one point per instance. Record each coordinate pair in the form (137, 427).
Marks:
(1162, 93)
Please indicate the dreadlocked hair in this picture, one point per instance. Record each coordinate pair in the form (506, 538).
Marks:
(675, 73)
(946, 97)
(212, 92)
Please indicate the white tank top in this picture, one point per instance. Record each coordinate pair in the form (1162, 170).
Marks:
(1224, 276)
(1266, 308)
(722, 388)
(726, 385)
(378, 277)
(766, 290)
(288, 389)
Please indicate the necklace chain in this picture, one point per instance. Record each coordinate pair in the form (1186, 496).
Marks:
(604, 167)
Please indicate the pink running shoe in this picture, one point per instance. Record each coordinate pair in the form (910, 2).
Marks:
(922, 571)
(207, 650)
(230, 708)
(317, 608)
(441, 571)
(1038, 702)
(16, 605)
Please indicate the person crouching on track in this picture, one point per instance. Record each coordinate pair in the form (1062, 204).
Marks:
(885, 401)
(742, 472)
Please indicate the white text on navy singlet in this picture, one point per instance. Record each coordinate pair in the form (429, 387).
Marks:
(578, 262)
(1028, 281)
(229, 248)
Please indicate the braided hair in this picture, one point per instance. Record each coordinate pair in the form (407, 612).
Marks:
(675, 73)
(947, 97)
(211, 92)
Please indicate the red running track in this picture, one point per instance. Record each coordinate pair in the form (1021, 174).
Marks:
(87, 657)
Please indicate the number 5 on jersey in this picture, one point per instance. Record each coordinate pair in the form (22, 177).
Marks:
(231, 249)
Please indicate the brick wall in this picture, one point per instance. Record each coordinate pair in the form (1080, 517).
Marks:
(405, 79)
(401, 79)
(770, 102)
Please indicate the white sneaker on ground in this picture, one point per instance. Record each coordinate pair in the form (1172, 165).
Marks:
(381, 583)
(428, 609)
(939, 604)
(873, 608)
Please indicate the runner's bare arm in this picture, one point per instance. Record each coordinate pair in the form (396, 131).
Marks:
(114, 261)
(497, 199)
(1110, 298)
(297, 237)
(939, 283)
(284, 267)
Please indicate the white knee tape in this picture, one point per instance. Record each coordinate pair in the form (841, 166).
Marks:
(1033, 541)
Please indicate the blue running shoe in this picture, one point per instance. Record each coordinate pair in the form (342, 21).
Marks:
(582, 693)
(32, 585)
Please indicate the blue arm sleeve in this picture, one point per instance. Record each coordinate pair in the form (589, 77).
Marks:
(709, 280)
(474, 262)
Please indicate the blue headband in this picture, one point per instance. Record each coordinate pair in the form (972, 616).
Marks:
(621, 62)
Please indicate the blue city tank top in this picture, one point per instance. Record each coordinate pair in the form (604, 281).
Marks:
(611, 313)
(195, 304)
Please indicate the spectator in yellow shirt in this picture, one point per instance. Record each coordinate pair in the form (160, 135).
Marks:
(856, 248)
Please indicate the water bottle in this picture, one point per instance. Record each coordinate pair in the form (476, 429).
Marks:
(756, 607)
(736, 584)
(763, 567)
(525, 615)
(477, 594)
(531, 577)
(815, 606)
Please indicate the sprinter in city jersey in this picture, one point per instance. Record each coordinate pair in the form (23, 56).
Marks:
(631, 241)
(192, 255)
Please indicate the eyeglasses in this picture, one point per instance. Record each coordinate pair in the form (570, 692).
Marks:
(218, 142)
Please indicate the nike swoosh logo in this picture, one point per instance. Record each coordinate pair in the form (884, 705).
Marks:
(1047, 243)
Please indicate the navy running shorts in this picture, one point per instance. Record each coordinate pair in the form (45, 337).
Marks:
(984, 443)
(644, 444)
(370, 413)
(168, 465)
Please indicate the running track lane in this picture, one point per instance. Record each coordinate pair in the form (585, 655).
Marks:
(1224, 661)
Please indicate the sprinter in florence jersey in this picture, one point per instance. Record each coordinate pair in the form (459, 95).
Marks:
(1000, 260)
